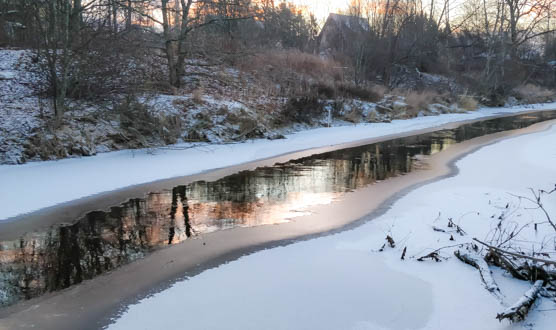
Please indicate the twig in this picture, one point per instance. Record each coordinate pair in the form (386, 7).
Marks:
(434, 254)
(538, 202)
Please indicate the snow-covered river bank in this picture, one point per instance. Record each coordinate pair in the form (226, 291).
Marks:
(343, 282)
(29, 187)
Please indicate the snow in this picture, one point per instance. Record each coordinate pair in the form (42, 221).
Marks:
(53, 182)
(342, 281)
(7, 75)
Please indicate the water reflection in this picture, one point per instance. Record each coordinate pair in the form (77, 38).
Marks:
(65, 255)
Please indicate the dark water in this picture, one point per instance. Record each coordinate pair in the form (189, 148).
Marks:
(65, 255)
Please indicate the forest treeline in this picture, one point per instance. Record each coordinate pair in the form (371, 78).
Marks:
(491, 49)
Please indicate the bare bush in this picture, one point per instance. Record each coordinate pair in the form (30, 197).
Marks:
(141, 128)
(530, 93)
(292, 73)
(296, 61)
(379, 91)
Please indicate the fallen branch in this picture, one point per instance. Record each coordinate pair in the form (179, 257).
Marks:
(433, 255)
(519, 310)
(479, 263)
(438, 229)
(547, 262)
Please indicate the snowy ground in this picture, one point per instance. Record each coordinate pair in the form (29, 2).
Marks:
(52, 182)
(343, 282)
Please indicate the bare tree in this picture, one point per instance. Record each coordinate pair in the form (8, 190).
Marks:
(53, 18)
(525, 18)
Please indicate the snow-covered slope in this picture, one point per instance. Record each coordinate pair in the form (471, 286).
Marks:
(19, 106)
(343, 282)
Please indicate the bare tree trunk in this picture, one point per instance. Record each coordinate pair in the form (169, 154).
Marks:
(63, 84)
(185, 9)
(514, 15)
(115, 17)
(77, 17)
(170, 46)
(176, 21)
(76, 20)
(128, 17)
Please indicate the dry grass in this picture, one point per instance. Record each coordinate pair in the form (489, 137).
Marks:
(294, 61)
(171, 127)
(365, 93)
(468, 102)
(530, 93)
(355, 115)
(290, 73)
(326, 89)
(417, 101)
(379, 90)
(197, 96)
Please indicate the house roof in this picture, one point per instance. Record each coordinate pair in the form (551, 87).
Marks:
(351, 22)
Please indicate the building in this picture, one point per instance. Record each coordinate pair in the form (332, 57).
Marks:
(339, 32)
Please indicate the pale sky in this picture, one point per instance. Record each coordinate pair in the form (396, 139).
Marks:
(321, 8)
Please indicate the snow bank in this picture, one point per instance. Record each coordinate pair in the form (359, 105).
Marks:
(342, 282)
(36, 185)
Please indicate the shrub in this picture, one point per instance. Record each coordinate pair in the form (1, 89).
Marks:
(360, 92)
(45, 145)
(303, 109)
